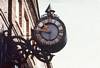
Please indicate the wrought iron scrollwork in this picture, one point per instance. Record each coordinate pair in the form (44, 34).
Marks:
(24, 49)
(43, 55)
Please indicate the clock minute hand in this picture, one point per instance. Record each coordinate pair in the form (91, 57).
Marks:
(48, 32)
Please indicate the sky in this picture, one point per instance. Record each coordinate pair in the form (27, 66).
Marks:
(82, 20)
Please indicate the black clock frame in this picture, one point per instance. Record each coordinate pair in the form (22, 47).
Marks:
(57, 46)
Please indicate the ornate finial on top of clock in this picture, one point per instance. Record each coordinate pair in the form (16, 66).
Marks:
(49, 10)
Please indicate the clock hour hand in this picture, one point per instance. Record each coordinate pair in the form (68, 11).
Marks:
(44, 29)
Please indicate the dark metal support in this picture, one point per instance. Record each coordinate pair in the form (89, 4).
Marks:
(48, 65)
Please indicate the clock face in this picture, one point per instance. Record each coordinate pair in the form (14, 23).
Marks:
(49, 31)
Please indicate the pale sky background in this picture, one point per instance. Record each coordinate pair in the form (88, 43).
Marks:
(82, 20)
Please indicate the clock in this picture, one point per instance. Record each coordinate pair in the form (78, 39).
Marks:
(50, 34)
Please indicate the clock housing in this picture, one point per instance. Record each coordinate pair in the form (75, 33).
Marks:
(50, 34)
